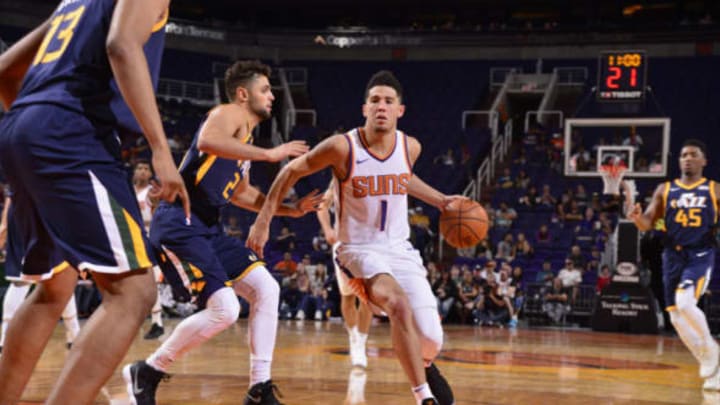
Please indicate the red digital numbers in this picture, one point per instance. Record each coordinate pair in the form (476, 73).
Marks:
(613, 77)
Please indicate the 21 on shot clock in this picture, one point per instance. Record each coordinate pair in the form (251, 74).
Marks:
(621, 76)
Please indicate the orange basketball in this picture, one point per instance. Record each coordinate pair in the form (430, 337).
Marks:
(464, 223)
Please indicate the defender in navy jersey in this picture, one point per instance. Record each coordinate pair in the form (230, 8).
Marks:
(216, 172)
(64, 84)
(689, 207)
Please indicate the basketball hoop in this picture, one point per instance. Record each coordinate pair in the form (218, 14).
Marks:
(612, 175)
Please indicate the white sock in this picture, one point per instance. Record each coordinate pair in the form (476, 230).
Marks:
(422, 392)
(70, 320)
(221, 311)
(261, 290)
(14, 296)
(353, 334)
(157, 312)
(361, 339)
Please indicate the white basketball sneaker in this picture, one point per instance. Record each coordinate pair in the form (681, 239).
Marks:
(710, 361)
(712, 383)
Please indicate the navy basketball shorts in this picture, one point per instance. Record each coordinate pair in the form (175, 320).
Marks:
(71, 192)
(14, 256)
(688, 268)
(214, 260)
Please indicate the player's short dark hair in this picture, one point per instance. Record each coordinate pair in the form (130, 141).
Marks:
(384, 78)
(241, 73)
(139, 162)
(696, 143)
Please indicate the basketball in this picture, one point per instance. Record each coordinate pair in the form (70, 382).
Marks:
(464, 223)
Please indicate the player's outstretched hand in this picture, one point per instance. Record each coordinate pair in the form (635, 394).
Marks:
(309, 203)
(449, 199)
(633, 211)
(257, 238)
(168, 185)
(290, 149)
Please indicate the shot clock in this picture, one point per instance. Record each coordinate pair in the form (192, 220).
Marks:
(621, 76)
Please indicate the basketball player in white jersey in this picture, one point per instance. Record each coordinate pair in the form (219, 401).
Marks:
(372, 166)
(141, 183)
(357, 315)
(19, 287)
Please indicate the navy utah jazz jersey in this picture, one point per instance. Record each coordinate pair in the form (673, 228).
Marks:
(690, 213)
(210, 180)
(71, 68)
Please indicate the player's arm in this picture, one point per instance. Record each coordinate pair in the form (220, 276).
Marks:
(130, 28)
(645, 220)
(331, 152)
(421, 190)
(219, 137)
(323, 215)
(250, 198)
(4, 222)
(15, 62)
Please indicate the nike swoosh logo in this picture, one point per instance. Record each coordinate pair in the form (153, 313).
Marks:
(701, 254)
(255, 400)
(362, 160)
(136, 390)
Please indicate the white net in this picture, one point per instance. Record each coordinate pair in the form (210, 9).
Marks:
(612, 175)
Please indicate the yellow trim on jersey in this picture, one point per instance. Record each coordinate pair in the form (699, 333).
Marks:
(202, 171)
(163, 20)
(137, 241)
(714, 198)
(689, 186)
(699, 287)
(247, 270)
(60, 267)
(671, 308)
(665, 198)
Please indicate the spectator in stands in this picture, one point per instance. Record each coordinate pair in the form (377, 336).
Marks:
(555, 302)
(593, 263)
(322, 251)
(507, 291)
(446, 292)
(489, 271)
(523, 249)
(494, 309)
(573, 214)
(506, 248)
(433, 274)
(467, 293)
(484, 249)
(505, 180)
(504, 216)
(233, 229)
(308, 267)
(634, 139)
(577, 257)
(595, 202)
(521, 158)
(490, 213)
(522, 180)
(571, 277)
(303, 284)
(531, 198)
(314, 302)
(290, 299)
(603, 279)
(581, 196)
(518, 291)
(285, 242)
(468, 252)
(545, 276)
(546, 198)
(420, 228)
(543, 236)
(286, 267)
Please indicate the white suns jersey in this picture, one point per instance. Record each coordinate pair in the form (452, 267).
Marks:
(145, 206)
(371, 202)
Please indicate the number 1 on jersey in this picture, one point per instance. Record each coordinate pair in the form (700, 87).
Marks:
(383, 214)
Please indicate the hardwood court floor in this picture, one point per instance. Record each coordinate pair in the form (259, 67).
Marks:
(484, 365)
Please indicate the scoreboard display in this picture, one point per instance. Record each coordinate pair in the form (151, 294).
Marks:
(621, 76)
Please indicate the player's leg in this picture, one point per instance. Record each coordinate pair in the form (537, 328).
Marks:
(14, 296)
(412, 277)
(262, 291)
(157, 328)
(357, 320)
(70, 320)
